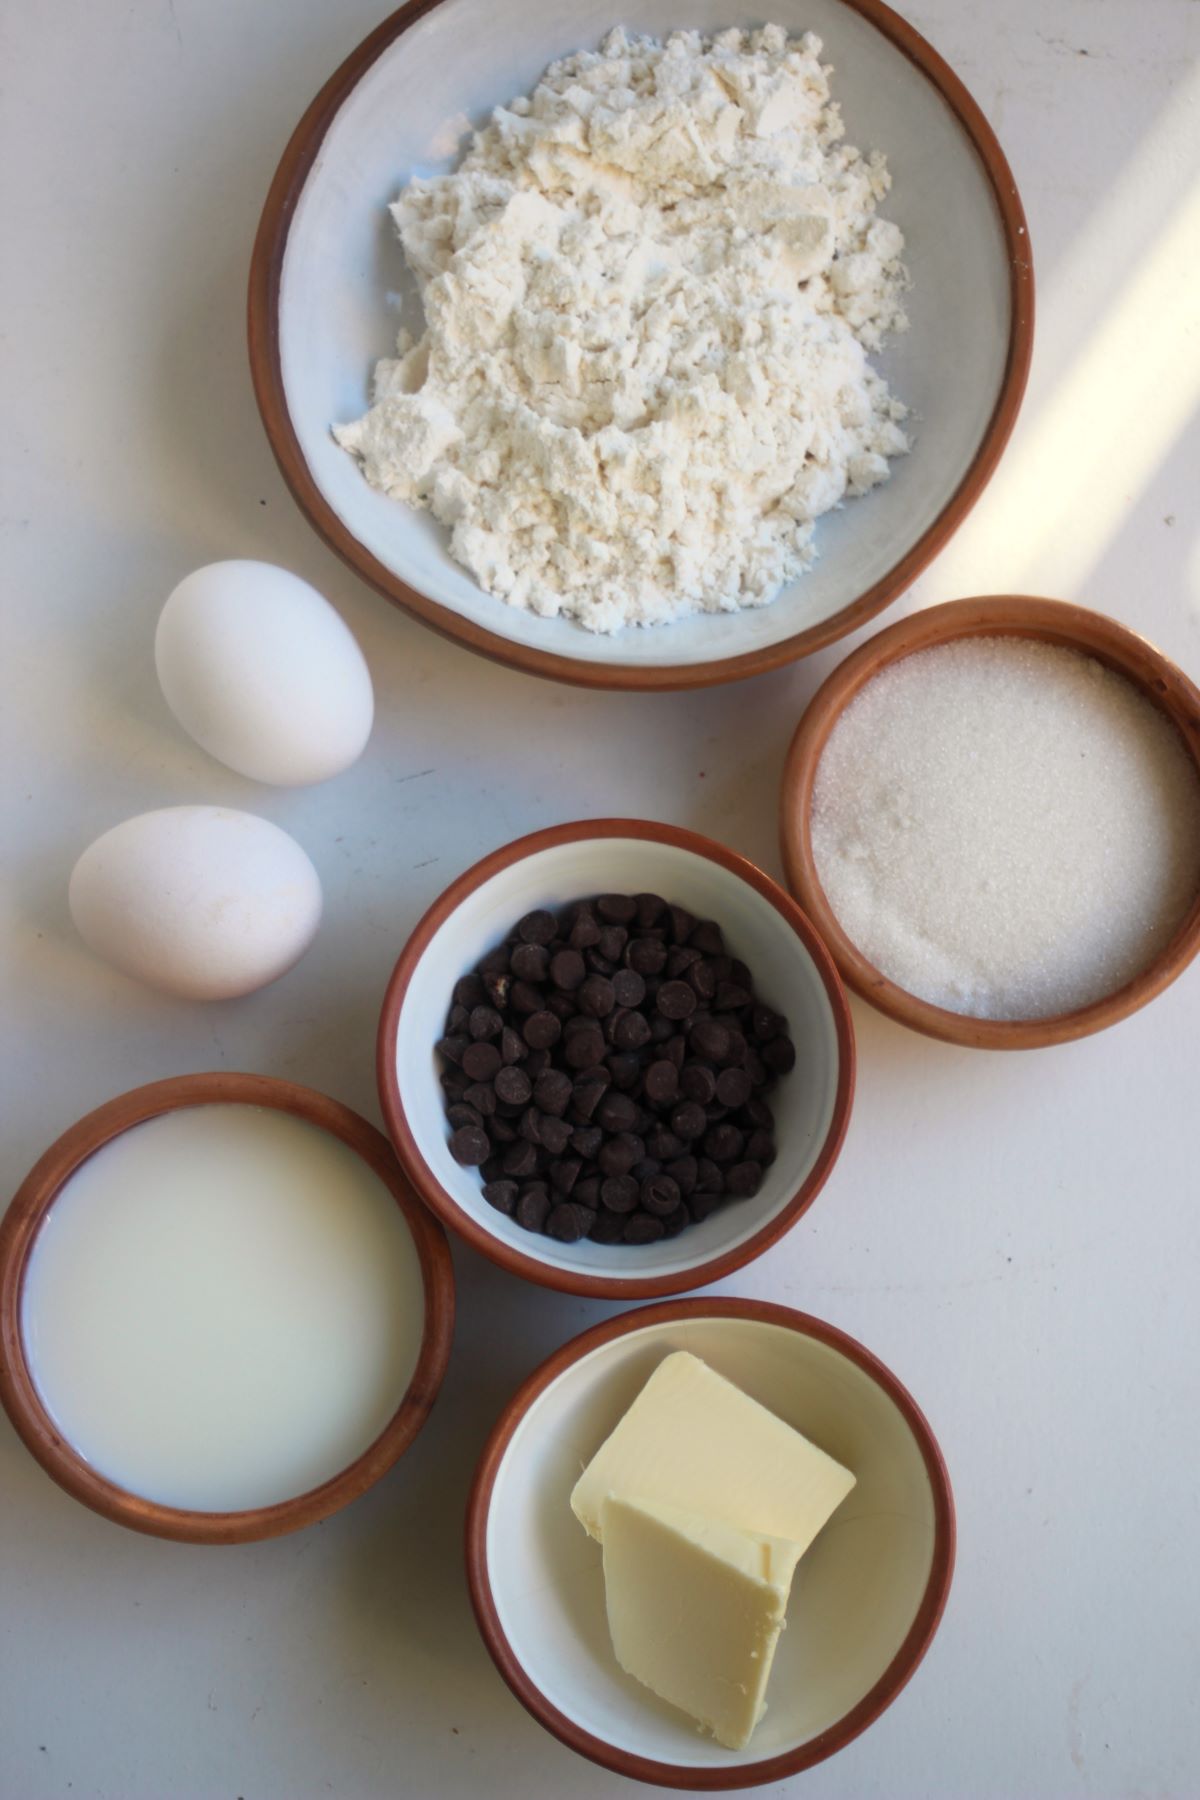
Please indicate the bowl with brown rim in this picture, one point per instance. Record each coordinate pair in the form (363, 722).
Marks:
(867, 1598)
(26, 1217)
(1006, 615)
(792, 972)
(328, 286)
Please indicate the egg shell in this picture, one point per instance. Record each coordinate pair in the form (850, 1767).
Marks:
(258, 667)
(199, 901)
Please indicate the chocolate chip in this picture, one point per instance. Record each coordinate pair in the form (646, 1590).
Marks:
(618, 1154)
(462, 1114)
(760, 1148)
(530, 962)
(513, 1086)
(452, 1048)
(552, 1091)
(663, 1143)
(555, 1133)
(689, 1121)
(567, 970)
(482, 1097)
(588, 1093)
(501, 1130)
(681, 924)
(779, 1055)
(541, 1030)
(675, 1000)
(662, 1083)
(584, 1048)
(485, 1022)
(481, 1061)
(469, 991)
(651, 909)
(568, 1223)
(587, 1191)
(565, 1173)
(733, 1087)
(537, 928)
(709, 1039)
(469, 1146)
(533, 1208)
(683, 1170)
(643, 1228)
(629, 987)
(608, 1227)
(660, 1195)
(625, 1069)
(631, 1030)
(512, 1046)
(494, 963)
(697, 1082)
(646, 956)
(617, 909)
(620, 1193)
(680, 960)
(731, 997)
(521, 1161)
(597, 996)
(744, 1179)
(707, 937)
(702, 980)
(724, 1143)
(617, 1112)
(584, 933)
(526, 998)
(702, 1205)
(586, 1141)
(501, 1194)
(613, 940)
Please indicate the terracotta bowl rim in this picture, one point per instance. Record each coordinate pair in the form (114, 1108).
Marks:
(265, 367)
(1005, 615)
(444, 1205)
(20, 1226)
(898, 1672)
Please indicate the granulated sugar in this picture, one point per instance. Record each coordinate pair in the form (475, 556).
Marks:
(1006, 828)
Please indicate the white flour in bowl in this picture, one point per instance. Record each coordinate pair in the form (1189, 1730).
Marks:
(650, 290)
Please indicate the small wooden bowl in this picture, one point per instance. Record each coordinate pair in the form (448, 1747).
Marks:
(20, 1227)
(794, 972)
(868, 1597)
(1003, 615)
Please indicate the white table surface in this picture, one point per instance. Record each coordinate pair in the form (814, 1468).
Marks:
(1017, 1236)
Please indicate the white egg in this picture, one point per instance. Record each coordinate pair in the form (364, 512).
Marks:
(198, 901)
(264, 674)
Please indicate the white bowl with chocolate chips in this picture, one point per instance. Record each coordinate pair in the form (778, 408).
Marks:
(617, 1059)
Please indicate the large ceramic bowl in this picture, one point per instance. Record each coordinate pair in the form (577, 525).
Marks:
(867, 1597)
(792, 971)
(25, 1219)
(326, 261)
(995, 615)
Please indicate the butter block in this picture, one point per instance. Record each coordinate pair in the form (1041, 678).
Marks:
(692, 1439)
(695, 1609)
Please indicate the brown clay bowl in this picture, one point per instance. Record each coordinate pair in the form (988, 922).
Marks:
(792, 971)
(867, 1597)
(25, 1217)
(326, 259)
(1003, 615)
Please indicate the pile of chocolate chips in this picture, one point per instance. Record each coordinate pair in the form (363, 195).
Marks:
(606, 1071)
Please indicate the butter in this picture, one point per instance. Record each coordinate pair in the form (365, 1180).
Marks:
(693, 1440)
(695, 1609)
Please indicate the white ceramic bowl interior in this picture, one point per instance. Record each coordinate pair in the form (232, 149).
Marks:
(785, 975)
(856, 1593)
(344, 289)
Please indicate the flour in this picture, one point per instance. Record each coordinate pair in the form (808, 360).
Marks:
(650, 290)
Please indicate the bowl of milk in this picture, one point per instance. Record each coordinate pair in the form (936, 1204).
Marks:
(223, 1313)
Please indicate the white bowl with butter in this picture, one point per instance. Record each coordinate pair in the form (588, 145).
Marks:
(793, 973)
(867, 1594)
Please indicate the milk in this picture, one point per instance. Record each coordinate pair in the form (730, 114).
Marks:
(223, 1308)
